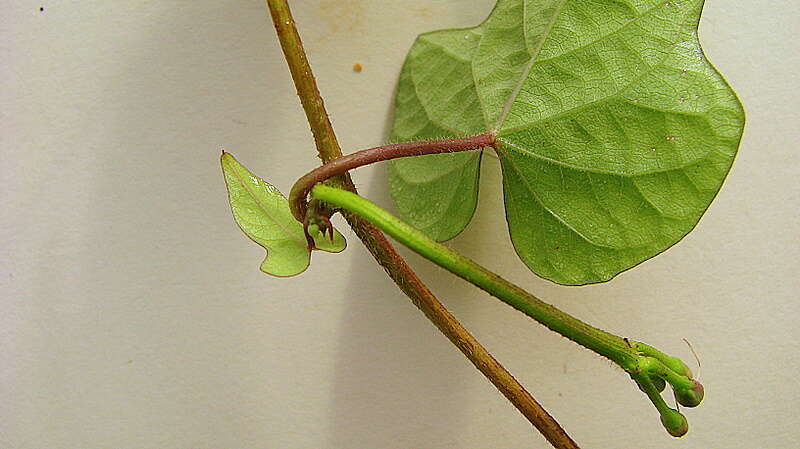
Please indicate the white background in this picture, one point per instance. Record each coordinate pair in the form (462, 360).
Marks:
(133, 314)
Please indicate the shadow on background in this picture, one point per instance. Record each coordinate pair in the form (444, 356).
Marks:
(394, 370)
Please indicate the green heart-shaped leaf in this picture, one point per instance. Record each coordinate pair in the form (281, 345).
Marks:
(615, 133)
(262, 212)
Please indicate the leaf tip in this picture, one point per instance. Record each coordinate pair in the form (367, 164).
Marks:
(225, 156)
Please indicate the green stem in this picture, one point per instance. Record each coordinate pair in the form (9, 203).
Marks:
(606, 344)
(642, 362)
(673, 363)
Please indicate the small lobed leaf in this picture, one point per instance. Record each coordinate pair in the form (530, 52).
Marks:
(263, 214)
(615, 132)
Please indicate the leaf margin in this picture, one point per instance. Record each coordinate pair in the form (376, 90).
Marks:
(234, 171)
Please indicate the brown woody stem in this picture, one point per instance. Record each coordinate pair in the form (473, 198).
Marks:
(377, 244)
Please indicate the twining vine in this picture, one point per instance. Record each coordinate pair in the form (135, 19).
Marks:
(594, 130)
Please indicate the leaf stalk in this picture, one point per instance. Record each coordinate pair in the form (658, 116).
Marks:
(299, 193)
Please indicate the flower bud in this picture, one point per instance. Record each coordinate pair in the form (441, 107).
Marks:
(690, 397)
(675, 423)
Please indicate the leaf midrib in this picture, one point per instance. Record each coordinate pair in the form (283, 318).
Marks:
(534, 54)
(266, 211)
(518, 87)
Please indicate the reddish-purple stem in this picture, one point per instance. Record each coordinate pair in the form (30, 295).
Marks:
(299, 194)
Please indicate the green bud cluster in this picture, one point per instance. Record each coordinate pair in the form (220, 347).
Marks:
(652, 374)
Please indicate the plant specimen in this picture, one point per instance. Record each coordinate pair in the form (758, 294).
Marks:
(614, 134)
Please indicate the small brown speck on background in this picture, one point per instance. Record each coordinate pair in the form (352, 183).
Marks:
(357, 67)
